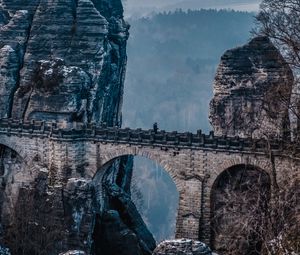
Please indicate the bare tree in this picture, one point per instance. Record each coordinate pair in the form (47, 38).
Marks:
(280, 21)
(31, 232)
(252, 217)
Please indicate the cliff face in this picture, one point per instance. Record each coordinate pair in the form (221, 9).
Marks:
(63, 60)
(252, 90)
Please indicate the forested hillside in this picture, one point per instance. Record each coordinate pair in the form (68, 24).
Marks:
(172, 59)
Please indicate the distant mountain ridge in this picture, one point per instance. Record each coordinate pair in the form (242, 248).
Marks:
(141, 8)
(244, 5)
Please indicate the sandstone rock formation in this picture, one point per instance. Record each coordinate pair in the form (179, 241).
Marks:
(182, 247)
(71, 69)
(65, 61)
(115, 238)
(252, 90)
(111, 235)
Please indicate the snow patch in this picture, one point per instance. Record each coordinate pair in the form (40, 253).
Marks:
(7, 48)
(24, 12)
(49, 72)
(73, 252)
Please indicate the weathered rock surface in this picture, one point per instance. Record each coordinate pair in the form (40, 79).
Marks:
(64, 60)
(13, 36)
(70, 69)
(252, 90)
(114, 237)
(182, 247)
(79, 213)
(121, 230)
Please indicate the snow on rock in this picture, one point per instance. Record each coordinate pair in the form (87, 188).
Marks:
(182, 247)
(74, 252)
(4, 251)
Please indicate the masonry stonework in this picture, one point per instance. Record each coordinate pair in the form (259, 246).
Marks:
(194, 161)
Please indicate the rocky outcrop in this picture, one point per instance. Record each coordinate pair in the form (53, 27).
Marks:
(120, 230)
(114, 237)
(79, 213)
(71, 69)
(252, 90)
(64, 61)
(13, 37)
(182, 247)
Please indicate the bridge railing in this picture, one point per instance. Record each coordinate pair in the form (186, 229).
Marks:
(75, 131)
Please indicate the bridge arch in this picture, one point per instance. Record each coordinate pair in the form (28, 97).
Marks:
(104, 174)
(14, 147)
(235, 166)
(239, 197)
(155, 156)
(262, 163)
(28, 160)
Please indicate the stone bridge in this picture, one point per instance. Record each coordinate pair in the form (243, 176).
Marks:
(194, 161)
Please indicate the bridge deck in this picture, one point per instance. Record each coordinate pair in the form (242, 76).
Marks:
(79, 131)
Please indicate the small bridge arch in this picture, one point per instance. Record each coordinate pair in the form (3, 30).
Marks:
(11, 144)
(264, 164)
(239, 197)
(28, 157)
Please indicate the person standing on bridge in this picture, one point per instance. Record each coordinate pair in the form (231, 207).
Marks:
(155, 127)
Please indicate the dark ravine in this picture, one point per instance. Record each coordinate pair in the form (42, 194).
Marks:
(65, 61)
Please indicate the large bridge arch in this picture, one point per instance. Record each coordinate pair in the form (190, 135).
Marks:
(161, 157)
(188, 209)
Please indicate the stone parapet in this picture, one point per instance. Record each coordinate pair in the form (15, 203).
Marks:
(78, 131)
